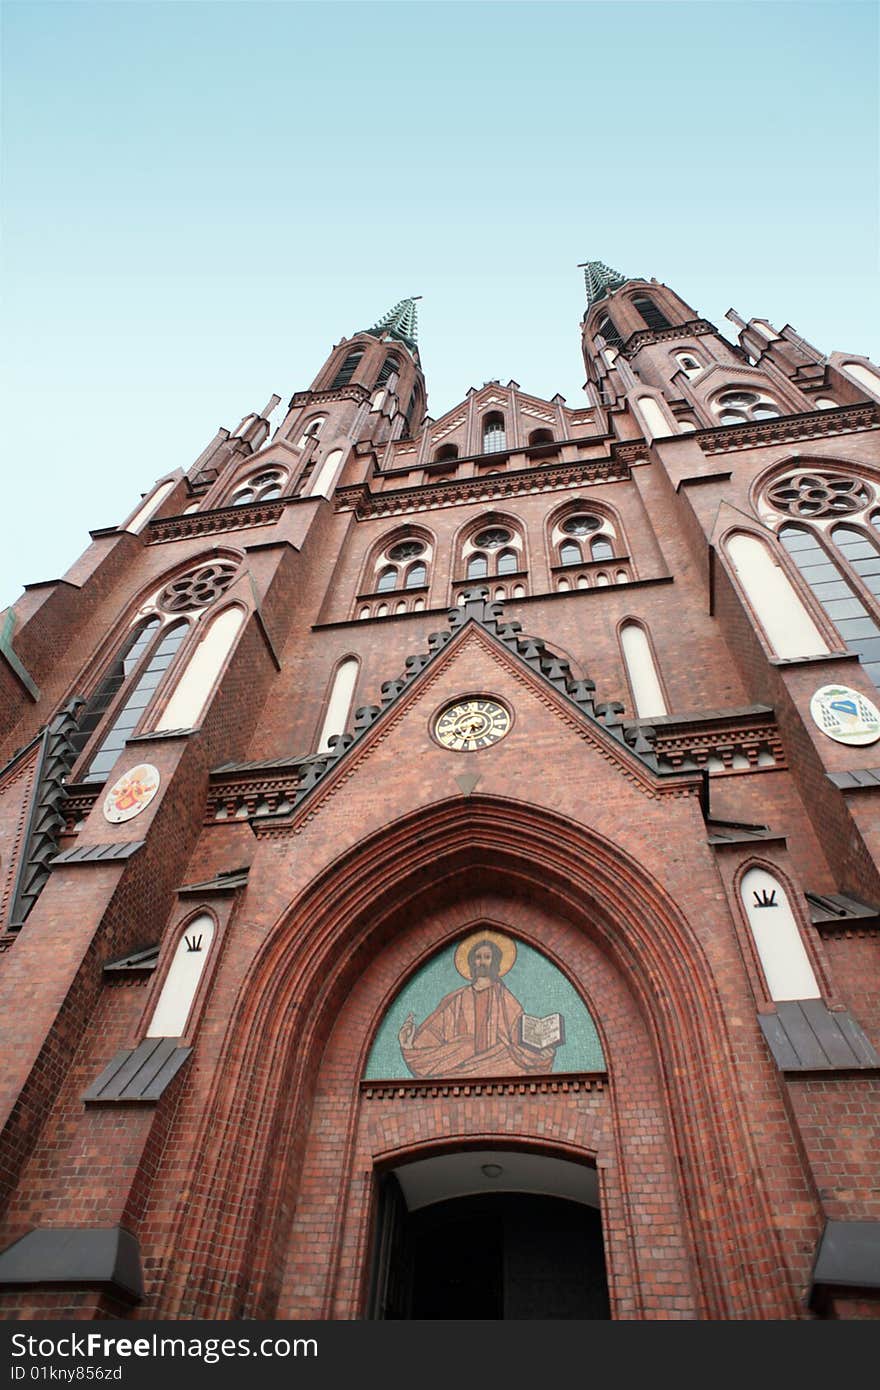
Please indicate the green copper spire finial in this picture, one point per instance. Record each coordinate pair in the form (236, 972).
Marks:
(600, 279)
(401, 322)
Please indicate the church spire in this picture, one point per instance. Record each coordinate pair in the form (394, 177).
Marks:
(599, 279)
(401, 322)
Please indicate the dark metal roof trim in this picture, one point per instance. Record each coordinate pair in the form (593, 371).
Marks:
(76, 1255)
(839, 910)
(139, 1075)
(847, 1257)
(46, 820)
(98, 854)
(226, 882)
(136, 962)
(861, 779)
(804, 1035)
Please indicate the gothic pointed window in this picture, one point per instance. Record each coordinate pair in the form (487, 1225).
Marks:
(830, 583)
(689, 364)
(264, 486)
(608, 329)
(399, 563)
(570, 553)
(347, 370)
(579, 536)
(129, 712)
(391, 364)
(311, 431)
(494, 434)
(784, 961)
(494, 546)
(641, 668)
(654, 317)
(339, 704)
(137, 673)
(175, 1002)
(387, 580)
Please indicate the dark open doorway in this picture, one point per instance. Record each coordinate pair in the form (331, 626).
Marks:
(498, 1255)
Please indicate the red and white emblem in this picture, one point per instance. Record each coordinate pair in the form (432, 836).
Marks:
(131, 793)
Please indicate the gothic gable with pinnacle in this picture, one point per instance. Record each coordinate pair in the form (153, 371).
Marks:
(273, 790)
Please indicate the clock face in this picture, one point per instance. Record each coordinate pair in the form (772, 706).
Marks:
(471, 724)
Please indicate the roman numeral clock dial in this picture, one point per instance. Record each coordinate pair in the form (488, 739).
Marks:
(471, 724)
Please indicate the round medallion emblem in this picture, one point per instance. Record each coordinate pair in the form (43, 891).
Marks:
(845, 715)
(131, 793)
(470, 724)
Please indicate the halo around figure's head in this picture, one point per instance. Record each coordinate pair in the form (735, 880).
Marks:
(503, 944)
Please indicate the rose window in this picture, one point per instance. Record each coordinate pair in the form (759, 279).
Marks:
(818, 494)
(406, 550)
(493, 538)
(198, 588)
(580, 525)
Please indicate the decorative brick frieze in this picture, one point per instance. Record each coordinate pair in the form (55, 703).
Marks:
(726, 744)
(79, 801)
(352, 392)
(485, 1086)
(646, 337)
(365, 503)
(177, 528)
(789, 429)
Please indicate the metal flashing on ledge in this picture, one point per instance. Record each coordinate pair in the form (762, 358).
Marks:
(98, 854)
(226, 882)
(847, 1257)
(804, 1035)
(139, 1075)
(106, 1255)
(837, 912)
(140, 962)
(859, 780)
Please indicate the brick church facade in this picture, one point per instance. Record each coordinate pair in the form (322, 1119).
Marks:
(439, 858)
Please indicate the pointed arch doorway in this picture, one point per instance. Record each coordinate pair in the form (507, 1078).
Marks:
(488, 1234)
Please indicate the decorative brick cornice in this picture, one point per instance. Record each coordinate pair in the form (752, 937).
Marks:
(562, 1085)
(352, 392)
(615, 469)
(79, 801)
(176, 528)
(788, 429)
(739, 742)
(646, 337)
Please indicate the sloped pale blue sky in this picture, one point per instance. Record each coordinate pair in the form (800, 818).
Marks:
(201, 198)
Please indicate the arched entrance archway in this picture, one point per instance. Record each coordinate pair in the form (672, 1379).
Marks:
(488, 1234)
(293, 1132)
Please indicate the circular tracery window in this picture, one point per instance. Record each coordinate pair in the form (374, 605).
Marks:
(261, 487)
(738, 406)
(491, 539)
(818, 494)
(406, 550)
(581, 525)
(198, 588)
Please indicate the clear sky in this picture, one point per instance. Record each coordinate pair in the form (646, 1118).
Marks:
(201, 198)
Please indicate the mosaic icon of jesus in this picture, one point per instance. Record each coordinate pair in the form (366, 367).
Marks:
(481, 1029)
